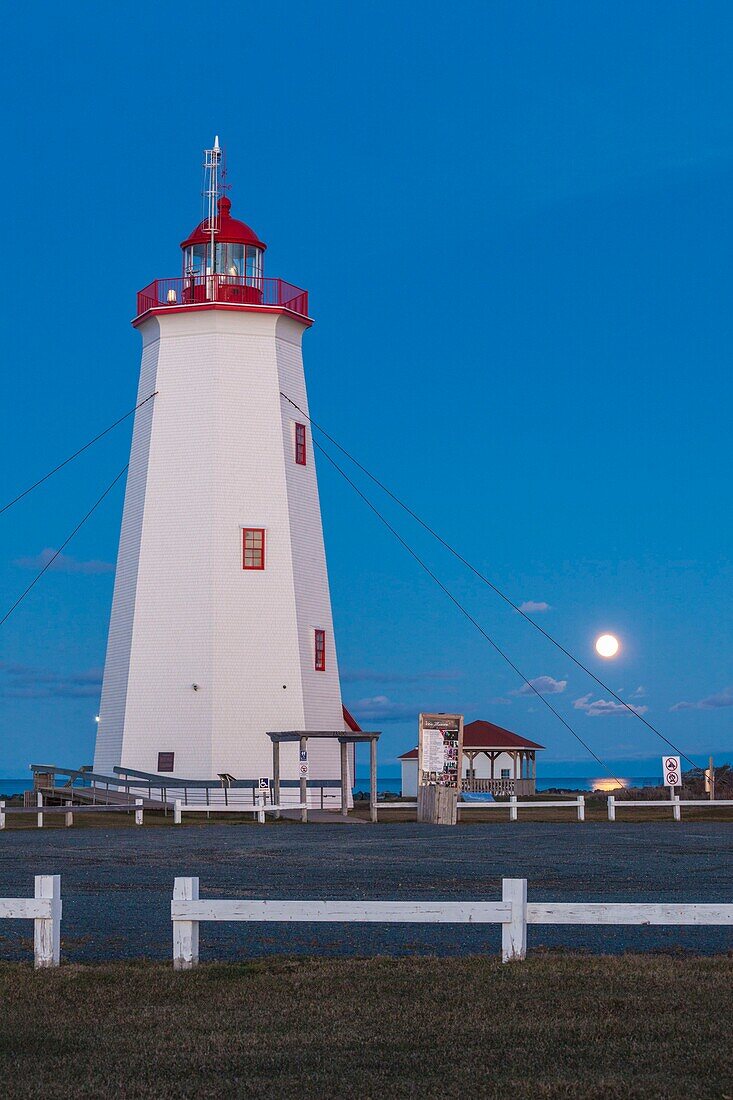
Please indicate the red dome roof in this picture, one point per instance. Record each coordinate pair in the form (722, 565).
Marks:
(231, 231)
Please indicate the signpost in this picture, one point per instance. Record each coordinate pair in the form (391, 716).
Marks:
(672, 778)
(439, 765)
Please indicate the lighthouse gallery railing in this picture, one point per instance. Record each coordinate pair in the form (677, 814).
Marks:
(250, 290)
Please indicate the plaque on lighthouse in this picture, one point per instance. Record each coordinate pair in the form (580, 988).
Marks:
(221, 591)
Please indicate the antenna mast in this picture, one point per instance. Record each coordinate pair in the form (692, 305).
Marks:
(212, 160)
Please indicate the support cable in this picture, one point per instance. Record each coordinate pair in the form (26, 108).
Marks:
(76, 454)
(63, 545)
(463, 610)
(485, 580)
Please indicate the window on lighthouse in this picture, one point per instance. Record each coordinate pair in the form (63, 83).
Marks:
(300, 451)
(320, 650)
(253, 548)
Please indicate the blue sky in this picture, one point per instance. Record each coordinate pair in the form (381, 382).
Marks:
(514, 222)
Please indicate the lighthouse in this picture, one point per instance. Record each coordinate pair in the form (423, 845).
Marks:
(221, 628)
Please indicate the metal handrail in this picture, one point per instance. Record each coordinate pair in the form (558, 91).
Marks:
(244, 290)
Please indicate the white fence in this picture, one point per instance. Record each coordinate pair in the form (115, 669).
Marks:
(260, 808)
(513, 912)
(45, 911)
(513, 806)
(672, 804)
(69, 810)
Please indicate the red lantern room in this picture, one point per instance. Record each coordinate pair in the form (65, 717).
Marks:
(222, 263)
(237, 250)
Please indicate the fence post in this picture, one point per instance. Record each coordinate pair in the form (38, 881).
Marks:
(261, 811)
(581, 807)
(512, 812)
(69, 817)
(611, 808)
(139, 811)
(177, 814)
(514, 932)
(39, 802)
(47, 930)
(185, 932)
(676, 812)
(2, 815)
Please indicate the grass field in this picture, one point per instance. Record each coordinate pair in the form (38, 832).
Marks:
(554, 1026)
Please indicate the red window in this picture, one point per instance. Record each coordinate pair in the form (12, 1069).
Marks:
(300, 452)
(320, 651)
(165, 761)
(253, 548)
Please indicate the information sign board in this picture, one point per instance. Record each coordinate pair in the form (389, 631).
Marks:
(440, 750)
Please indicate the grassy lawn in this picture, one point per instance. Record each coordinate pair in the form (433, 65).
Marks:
(556, 1025)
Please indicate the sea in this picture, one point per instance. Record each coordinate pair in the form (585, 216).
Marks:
(390, 783)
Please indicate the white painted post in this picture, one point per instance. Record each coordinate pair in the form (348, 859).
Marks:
(514, 932)
(47, 930)
(139, 811)
(69, 817)
(177, 814)
(581, 807)
(39, 802)
(676, 812)
(611, 808)
(2, 815)
(185, 932)
(261, 804)
(512, 811)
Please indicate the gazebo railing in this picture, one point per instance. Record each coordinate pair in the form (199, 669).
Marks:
(501, 787)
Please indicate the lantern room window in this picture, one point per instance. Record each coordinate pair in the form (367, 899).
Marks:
(300, 449)
(320, 650)
(238, 261)
(253, 548)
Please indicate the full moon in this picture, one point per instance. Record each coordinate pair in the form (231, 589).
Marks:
(607, 645)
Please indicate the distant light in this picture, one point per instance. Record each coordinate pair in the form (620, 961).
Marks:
(607, 645)
(96, 717)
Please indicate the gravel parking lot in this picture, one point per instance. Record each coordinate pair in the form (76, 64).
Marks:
(117, 883)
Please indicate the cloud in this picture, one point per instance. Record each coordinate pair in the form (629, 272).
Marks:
(64, 563)
(543, 685)
(605, 708)
(537, 606)
(380, 708)
(721, 699)
(23, 682)
(362, 675)
(639, 693)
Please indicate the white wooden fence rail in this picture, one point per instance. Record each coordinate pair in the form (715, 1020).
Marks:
(69, 810)
(260, 808)
(45, 911)
(513, 806)
(672, 804)
(513, 912)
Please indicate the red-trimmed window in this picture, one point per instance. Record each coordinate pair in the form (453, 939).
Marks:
(320, 651)
(253, 548)
(300, 451)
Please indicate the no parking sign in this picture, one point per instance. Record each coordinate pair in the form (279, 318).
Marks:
(672, 771)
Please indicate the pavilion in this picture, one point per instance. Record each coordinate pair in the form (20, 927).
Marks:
(495, 761)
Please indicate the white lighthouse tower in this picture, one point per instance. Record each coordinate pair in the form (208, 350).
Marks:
(221, 625)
